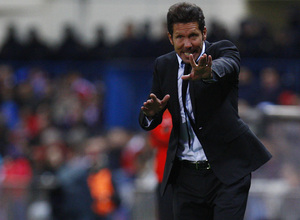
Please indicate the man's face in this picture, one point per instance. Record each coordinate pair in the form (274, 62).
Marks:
(187, 39)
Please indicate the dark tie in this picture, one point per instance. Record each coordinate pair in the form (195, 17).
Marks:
(187, 70)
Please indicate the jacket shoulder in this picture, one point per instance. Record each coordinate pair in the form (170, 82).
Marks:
(221, 43)
(167, 57)
(163, 63)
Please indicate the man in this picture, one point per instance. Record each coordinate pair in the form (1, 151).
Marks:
(211, 151)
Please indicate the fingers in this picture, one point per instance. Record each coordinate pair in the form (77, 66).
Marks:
(165, 100)
(186, 77)
(209, 61)
(200, 71)
(205, 60)
(162, 102)
(153, 97)
(144, 109)
(154, 105)
(192, 61)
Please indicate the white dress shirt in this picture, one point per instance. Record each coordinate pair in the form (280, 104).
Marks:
(192, 151)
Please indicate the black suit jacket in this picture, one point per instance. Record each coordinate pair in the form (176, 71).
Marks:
(231, 148)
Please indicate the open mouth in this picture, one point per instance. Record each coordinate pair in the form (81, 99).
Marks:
(187, 54)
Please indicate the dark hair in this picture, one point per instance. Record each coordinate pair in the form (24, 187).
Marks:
(184, 13)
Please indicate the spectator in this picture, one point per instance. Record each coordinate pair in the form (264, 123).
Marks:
(100, 180)
(162, 45)
(218, 32)
(269, 86)
(254, 39)
(126, 46)
(12, 48)
(84, 97)
(117, 140)
(145, 41)
(35, 48)
(248, 87)
(70, 48)
(100, 49)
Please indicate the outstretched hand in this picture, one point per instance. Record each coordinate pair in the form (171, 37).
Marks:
(153, 105)
(202, 70)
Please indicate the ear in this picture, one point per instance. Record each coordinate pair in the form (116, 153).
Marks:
(204, 33)
(170, 38)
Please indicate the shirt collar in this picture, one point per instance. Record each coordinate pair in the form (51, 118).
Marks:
(181, 64)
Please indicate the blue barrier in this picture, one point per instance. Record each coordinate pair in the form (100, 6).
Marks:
(128, 81)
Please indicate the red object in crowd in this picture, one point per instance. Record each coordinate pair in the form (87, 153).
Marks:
(16, 173)
(159, 139)
(102, 192)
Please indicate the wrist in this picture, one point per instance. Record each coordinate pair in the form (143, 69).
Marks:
(209, 79)
(209, 76)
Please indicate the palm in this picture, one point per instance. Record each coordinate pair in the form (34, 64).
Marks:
(154, 105)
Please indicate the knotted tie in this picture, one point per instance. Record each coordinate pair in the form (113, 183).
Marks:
(187, 70)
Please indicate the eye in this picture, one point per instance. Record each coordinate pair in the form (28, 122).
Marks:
(194, 35)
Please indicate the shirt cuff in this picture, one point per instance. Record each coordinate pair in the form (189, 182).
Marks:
(147, 121)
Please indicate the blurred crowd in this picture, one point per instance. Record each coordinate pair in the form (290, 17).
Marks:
(135, 41)
(52, 139)
(254, 38)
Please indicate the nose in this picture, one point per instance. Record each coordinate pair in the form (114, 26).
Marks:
(187, 43)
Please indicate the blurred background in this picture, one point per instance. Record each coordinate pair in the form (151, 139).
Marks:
(73, 75)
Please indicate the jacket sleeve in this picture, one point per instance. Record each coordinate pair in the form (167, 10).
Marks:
(156, 119)
(226, 59)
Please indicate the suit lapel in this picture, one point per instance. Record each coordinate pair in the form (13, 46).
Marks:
(174, 82)
(192, 95)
